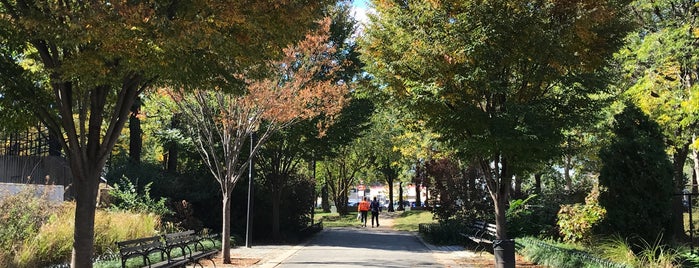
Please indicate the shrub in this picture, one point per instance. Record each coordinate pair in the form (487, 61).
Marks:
(658, 255)
(21, 215)
(53, 242)
(531, 217)
(443, 233)
(126, 197)
(636, 179)
(576, 222)
(559, 256)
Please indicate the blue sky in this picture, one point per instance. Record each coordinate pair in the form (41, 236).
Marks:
(360, 8)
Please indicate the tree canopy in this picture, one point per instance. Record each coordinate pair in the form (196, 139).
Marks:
(499, 80)
(89, 60)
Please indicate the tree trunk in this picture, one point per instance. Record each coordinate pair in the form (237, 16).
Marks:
(325, 198)
(172, 151)
(518, 188)
(678, 161)
(537, 183)
(566, 173)
(500, 201)
(226, 235)
(54, 145)
(85, 188)
(135, 137)
(390, 193)
(418, 203)
(276, 200)
(695, 168)
(400, 196)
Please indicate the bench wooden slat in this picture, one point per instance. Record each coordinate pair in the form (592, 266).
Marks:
(188, 242)
(480, 232)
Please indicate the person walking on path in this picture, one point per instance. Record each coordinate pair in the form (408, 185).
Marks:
(363, 209)
(375, 208)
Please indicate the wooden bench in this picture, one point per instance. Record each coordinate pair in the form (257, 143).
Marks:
(480, 232)
(190, 247)
(146, 249)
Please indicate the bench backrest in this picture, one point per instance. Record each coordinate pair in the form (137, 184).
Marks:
(180, 237)
(139, 245)
(491, 229)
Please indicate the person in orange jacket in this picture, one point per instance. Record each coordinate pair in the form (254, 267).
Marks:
(363, 209)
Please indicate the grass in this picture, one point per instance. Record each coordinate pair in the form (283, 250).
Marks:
(409, 220)
(335, 220)
(403, 221)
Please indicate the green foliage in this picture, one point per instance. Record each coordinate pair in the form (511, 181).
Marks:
(530, 217)
(126, 197)
(576, 221)
(561, 256)
(21, 215)
(636, 179)
(443, 233)
(655, 255)
(35, 234)
(294, 209)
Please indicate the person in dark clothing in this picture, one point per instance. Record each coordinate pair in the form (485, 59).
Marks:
(375, 208)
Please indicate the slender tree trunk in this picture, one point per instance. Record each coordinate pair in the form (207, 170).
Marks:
(678, 161)
(226, 235)
(325, 198)
(135, 137)
(695, 168)
(500, 201)
(276, 200)
(390, 193)
(537, 183)
(566, 173)
(400, 197)
(518, 188)
(54, 145)
(418, 202)
(172, 151)
(86, 187)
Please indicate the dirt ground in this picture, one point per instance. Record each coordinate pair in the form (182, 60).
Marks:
(236, 262)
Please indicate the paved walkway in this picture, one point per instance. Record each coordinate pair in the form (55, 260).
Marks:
(356, 247)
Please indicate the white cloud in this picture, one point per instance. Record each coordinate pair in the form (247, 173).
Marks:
(360, 9)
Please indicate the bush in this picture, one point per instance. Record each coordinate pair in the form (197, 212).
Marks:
(443, 233)
(576, 222)
(21, 215)
(636, 179)
(534, 216)
(52, 241)
(126, 197)
(620, 250)
(562, 257)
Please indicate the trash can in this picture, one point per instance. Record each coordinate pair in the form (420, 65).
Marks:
(504, 251)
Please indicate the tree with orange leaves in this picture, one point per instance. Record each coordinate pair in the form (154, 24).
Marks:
(221, 122)
(89, 60)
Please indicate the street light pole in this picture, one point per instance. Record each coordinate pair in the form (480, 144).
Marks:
(248, 232)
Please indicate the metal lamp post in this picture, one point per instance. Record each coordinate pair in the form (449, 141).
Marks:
(248, 227)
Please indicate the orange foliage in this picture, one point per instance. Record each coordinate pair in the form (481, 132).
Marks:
(295, 92)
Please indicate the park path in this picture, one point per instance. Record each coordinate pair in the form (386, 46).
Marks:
(353, 247)
(362, 247)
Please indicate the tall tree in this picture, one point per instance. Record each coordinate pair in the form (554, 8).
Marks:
(637, 178)
(341, 170)
(286, 149)
(660, 62)
(498, 80)
(222, 122)
(94, 58)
